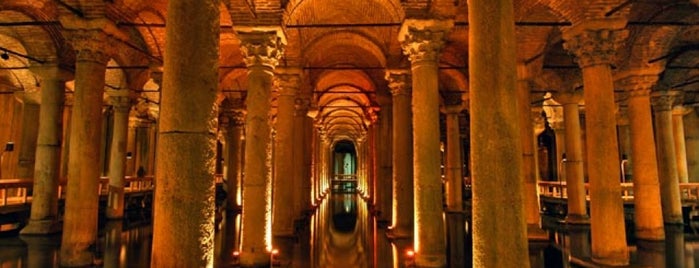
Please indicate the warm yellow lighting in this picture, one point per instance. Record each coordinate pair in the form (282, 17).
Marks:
(275, 251)
(410, 253)
(236, 253)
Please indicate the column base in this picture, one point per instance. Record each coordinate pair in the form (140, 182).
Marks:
(114, 215)
(82, 258)
(41, 227)
(436, 261)
(535, 233)
(650, 234)
(618, 258)
(674, 220)
(255, 261)
(577, 219)
(398, 233)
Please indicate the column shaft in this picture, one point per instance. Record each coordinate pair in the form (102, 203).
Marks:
(678, 113)
(117, 159)
(234, 161)
(28, 139)
(285, 188)
(183, 226)
(667, 161)
(526, 132)
(82, 199)
(575, 181)
(499, 231)
(648, 213)
(44, 211)
(454, 175)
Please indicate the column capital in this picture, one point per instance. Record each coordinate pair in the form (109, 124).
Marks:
(595, 42)
(68, 99)
(568, 96)
(156, 73)
(399, 82)
(453, 103)
(638, 83)
(622, 115)
(681, 110)
(261, 46)
(302, 104)
(233, 117)
(287, 81)
(422, 40)
(663, 100)
(28, 97)
(121, 100)
(91, 45)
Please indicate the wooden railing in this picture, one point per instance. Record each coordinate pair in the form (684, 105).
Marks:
(345, 177)
(688, 191)
(17, 191)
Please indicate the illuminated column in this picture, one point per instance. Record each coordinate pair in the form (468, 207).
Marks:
(121, 104)
(44, 211)
(82, 199)
(678, 113)
(495, 138)
(453, 105)
(528, 140)
(575, 181)
(301, 159)
(234, 158)
(261, 50)
(286, 83)
(667, 161)
(422, 41)
(399, 83)
(384, 151)
(648, 213)
(594, 45)
(30, 131)
(183, 227)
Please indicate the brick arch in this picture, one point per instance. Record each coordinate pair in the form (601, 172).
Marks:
(42, 42)
(392, 8)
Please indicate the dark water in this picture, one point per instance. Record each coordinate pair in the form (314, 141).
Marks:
(341, 233)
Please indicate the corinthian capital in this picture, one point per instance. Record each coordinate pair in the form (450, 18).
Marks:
(91, 45)
(261, 47)
(121, 100)
(595, 42)
(663, 100)
(399, 82)
(422, 40)
(638, 83)
(287, 81)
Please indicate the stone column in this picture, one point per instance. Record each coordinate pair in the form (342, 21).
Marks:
(453, 105)
(384, 149)
(499, 232)
(594, 44)
(559, 131)
(261, 50)
(422, 41)
(667, 161)
(68, 102)
(183, 226)
(82, 199)
(234, 143)
(577, 204)
(648, 213)
(691, 122)
(678, 113)
(44, 211)
(121, 103)
(30, 131)
(399, 83)
(528, 140)
(301, 159)
(286, 83)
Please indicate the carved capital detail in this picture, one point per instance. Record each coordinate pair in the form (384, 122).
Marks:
(261, 48)
(568, 96)
(399, 82)
(91, 45)
(302, 105)
(663, 100)
(595, 46)
(287, 84)
(638, 86)
(423, 40)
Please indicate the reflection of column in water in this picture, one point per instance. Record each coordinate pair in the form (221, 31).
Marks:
(112, 244)
(41, 252)
(651, 253)
(230, 237)
(674, 245)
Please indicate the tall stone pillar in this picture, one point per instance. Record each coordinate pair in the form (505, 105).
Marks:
(234, 142)
(183, 227)
(302, 154)
(68, 102)
(691, 122)
(559, 132)
(121, 104)
(667, 160)
(286, 83)
(422, 41)
(499, 232)
(678, 113)
(528, 140)
(647, 205)
(384, 150)
(453, 105)
(575, 181)
(44, 211)
(594, 44)
(82, 199)
(261, 51)
(399, 83)
(30, 131)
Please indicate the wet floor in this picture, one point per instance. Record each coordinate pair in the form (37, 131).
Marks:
(341, 233)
